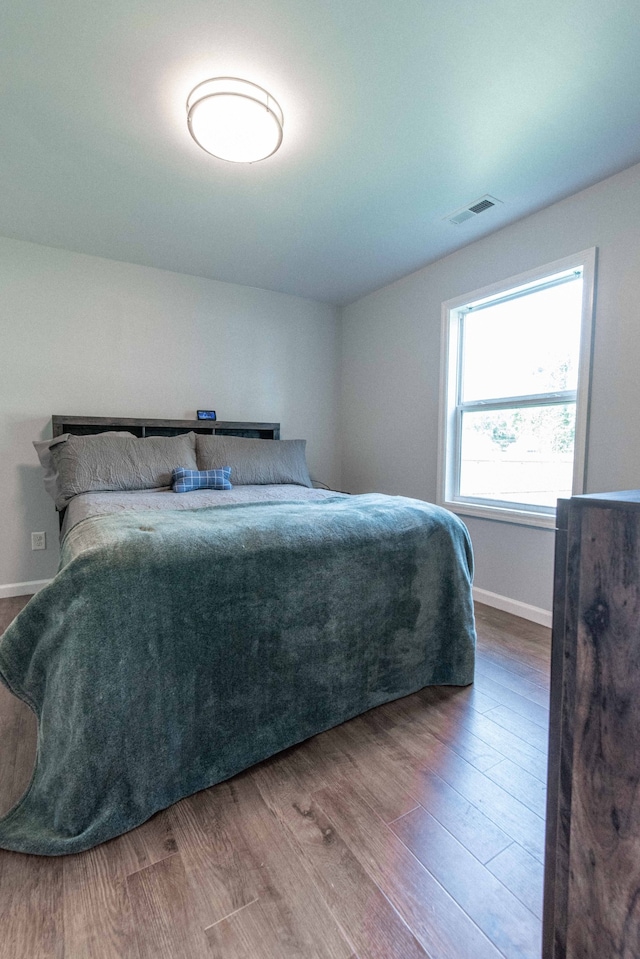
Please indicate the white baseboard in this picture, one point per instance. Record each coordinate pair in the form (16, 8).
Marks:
(22, 589)
(533, 613)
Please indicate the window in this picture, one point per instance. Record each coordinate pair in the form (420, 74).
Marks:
(515, 382)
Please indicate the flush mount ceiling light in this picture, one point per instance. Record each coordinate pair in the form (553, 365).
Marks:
(234, 119)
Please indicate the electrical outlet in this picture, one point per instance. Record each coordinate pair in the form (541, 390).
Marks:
(38, 541)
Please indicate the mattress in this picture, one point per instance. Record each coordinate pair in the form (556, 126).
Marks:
(100, 504)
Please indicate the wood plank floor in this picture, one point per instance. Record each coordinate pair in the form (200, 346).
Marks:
(413, 831)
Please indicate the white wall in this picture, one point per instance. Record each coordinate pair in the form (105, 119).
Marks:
(82, 335)
(390, 370)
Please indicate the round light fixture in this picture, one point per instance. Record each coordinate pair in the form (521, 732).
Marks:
(234, 119)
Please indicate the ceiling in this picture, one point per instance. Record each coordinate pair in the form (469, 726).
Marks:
(396, 114)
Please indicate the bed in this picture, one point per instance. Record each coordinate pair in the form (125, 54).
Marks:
(187, 636)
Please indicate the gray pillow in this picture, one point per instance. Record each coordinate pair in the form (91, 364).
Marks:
(43, 449)
(104, 461)
(255, 462)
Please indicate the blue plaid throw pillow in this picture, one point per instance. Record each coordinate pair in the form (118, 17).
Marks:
(185, 480)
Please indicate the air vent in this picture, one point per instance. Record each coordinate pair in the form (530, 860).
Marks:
(468, 212)
(481, 206)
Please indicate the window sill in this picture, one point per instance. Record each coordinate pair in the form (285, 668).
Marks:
(517, 517)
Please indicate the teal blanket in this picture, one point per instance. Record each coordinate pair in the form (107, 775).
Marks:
(175, 648)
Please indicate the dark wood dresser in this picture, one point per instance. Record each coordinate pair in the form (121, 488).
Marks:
(592, 865)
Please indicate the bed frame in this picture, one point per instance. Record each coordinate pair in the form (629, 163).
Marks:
(83, 425)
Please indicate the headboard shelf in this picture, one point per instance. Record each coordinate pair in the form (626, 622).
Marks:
(83, 425)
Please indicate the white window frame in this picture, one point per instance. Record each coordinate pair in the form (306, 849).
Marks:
(450, 403)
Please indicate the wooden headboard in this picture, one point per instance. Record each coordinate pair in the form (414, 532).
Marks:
(82, 425)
